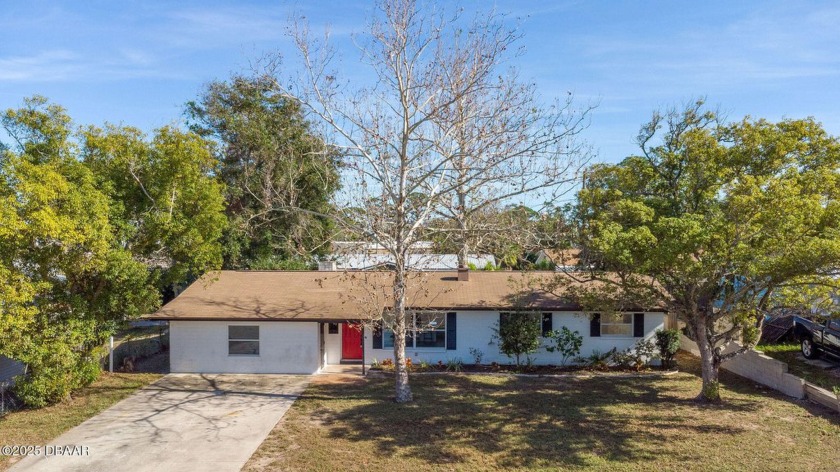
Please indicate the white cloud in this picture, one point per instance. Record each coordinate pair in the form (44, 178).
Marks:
(64, 65)
(44, 66)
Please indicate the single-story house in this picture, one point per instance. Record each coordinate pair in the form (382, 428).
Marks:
(300, 321)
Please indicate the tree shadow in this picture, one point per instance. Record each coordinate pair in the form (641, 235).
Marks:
(531, 422)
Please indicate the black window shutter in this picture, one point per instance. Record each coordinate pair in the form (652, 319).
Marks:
(595, 325)
(638, 325)
(451, 329)
(503, 317)
(546, 325)
(377, 336)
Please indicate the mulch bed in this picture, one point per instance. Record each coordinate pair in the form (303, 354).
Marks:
(512, 369)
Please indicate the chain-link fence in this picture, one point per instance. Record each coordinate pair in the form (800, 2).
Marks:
(7, 402)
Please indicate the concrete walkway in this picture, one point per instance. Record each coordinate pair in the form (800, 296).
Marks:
(183, 422)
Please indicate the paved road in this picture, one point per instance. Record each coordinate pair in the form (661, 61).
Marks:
(182, 422)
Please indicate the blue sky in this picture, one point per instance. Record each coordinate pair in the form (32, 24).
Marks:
(137, 62)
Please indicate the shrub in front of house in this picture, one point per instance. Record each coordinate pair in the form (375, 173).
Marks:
(518, 334)
(637, 357)
(668, 343)
(477, 355)
(598, 360)
(565, 342)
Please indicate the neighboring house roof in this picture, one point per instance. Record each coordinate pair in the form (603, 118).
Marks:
(361, 261)
(560, 257)
(327, 296)
(349, 247)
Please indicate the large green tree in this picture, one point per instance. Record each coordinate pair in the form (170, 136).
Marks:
(65, 282)
(165, 202)
(270, 160)
(716, 221)
(92, 225)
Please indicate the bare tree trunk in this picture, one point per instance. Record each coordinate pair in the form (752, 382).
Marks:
(463, 235)
(463, 239)
(403, 390)
(709, 365)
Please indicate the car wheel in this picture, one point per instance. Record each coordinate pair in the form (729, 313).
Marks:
(808, 349)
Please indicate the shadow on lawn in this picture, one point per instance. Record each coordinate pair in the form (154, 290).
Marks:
(522, 421)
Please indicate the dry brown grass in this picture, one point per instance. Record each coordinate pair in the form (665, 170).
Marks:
(492, 422)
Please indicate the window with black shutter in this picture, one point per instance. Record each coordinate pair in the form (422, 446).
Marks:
(595, 325)
(451, 330)
(377, 336)
(546, 325)
(638, 325)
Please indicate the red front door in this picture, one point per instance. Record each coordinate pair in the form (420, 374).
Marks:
(351, 341)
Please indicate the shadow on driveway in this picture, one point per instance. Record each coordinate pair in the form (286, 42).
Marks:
(188, 422)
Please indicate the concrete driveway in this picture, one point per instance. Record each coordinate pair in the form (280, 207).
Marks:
(182, 422)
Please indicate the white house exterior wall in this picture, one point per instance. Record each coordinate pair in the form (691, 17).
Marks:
(474, 329)
(286, 347)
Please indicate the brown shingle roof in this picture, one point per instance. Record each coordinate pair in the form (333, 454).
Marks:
(301, 295)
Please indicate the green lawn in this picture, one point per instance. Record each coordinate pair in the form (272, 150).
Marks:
(38, 427)
(788, 353)
(503, 422)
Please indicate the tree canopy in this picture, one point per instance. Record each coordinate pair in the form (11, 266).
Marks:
(165, 203)
(269, 160)
(717, 221)
(86, 231)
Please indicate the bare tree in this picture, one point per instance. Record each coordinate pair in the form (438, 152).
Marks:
(401, 165)
(507, 148)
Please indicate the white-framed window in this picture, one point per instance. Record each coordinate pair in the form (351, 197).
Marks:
(243, 340)
(423, 330)
(617, 324)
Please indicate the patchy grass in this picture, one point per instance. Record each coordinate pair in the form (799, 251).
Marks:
(789, 353)
(462, 422)
(39, 426)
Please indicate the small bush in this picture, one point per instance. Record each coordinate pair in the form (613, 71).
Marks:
(454, 365)
(668, 343)
(566, 342)
(598, 360)
(637, 357)
(518, 335)
(477, 355)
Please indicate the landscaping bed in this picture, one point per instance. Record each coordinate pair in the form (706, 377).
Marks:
(491, 422)
(496, 368)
